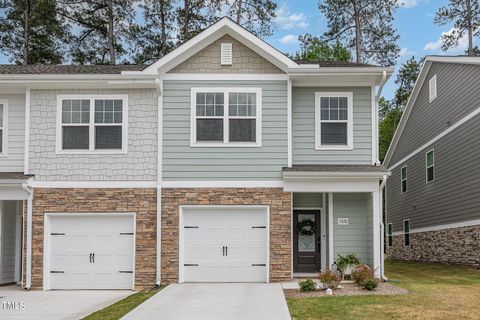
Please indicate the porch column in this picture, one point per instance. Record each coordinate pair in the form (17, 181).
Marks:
(376, 218)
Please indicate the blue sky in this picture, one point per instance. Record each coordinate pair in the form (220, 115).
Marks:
(414, 22)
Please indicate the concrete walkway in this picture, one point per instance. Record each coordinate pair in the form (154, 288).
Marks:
(242, 301)
(53, 305)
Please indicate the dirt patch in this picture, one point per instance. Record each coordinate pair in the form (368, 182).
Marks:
(349, 289)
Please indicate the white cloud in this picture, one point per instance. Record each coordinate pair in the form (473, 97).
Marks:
(290, 20)
(405, 52)
(289, 39)
(437, 45)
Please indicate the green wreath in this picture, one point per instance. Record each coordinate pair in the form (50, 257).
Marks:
(306, 227)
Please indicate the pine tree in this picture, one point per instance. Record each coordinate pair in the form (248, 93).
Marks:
(365, 26)
(465, 15)
(314, 49)
(193, 16)
(254, 15)
(32, 31)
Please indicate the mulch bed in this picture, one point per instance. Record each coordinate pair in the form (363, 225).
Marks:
(349, 289)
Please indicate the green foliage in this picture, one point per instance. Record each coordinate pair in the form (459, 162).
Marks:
(193, 16)
(314, 49)
(370, 284)
(254, 15)
(330, 279)
(361, 274)
(307, 285)
(348, 260)
(387, 127)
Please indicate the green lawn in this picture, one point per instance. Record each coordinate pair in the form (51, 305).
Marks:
(437, 292)
(122, 307)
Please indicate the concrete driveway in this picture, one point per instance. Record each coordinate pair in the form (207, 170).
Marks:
(212, 301)
(52, 305)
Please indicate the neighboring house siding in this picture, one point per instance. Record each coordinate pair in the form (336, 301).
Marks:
(356, 236)
(454, 194)
(13, 162)
(245, 60)
(304, 128)
(138, 164)
(457, 96)
(180, 161)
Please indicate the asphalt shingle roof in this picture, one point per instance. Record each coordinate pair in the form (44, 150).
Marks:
(335, 168)
(68, 69)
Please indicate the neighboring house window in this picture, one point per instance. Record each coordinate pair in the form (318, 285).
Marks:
(92, 124)
(226, 117)
(333, 120)
(430, 165)
(403, 178)
(432, 88)
(3, 127)
(406, 232)
(390, 235)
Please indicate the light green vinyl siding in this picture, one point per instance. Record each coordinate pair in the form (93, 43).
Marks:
(356, 237)
(182, 162)
(304, 128)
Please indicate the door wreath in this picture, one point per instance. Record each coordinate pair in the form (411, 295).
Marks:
(306, 227)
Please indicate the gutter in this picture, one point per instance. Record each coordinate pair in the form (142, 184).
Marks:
(159, 85)
(382, 232)
(377, 97)
(28, 268)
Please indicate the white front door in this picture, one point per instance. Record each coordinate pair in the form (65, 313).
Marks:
(224, 244)
(90, 251)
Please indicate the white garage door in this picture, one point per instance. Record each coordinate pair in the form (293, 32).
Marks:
(90, 251)
(224, 245)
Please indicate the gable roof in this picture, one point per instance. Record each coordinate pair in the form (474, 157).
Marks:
(429, 60)
(68, 69)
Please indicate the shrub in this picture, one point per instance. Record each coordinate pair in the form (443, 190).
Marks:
(330, 279)
(307, 285)
(370, 284)
(361, 274)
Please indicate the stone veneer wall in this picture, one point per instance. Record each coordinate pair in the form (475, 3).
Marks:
(280, 223)
(141, 201)
(448, 246)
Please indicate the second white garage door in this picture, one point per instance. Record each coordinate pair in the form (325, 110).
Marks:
(224, 244)
(90, 251)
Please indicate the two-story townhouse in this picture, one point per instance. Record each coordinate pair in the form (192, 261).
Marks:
(432, 197)
(224, 161)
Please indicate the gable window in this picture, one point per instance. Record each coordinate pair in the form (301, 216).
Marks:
(390, 235)
(3, 127)
(226, 117)
(430, 165)
(92, 124)
(333, 121)
(432, 88)
(406, 232)
(403, 178)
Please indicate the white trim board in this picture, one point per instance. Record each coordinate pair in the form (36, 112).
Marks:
(4, 125)
(222, 184)
(223, 77)
(469, 223)
(93, 184)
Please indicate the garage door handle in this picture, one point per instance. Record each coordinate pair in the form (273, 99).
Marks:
(90, 258)
(226, 251)
(123, 271)
(259, 265)
(57, 271)
(190, 265)
(93, 257)
(223, 251)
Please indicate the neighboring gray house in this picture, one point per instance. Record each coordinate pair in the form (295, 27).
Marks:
(224, 161)
(433, 195)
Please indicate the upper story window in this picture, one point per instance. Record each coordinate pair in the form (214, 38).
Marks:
(333, 121)
(96, 124)
(430, 165)
(226, 117)
(403, 178)
(3, 127)
(406, 232)
(390, 235)
(432, 88)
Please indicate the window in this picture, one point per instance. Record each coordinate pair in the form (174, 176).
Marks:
(92, 124)
(333, 121)
(432, 88)
(430, 165)
(390, 235)
(226, 117)
(3, 127)
(406, 233)
(226, 54)
(403, 177)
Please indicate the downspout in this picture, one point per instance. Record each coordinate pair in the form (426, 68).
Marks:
(377, 97)
(28, 268)
(382, 231)
(159, 84)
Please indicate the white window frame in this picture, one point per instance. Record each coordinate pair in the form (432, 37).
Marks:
(389, 234)
(404, 179)
(409, 233)
(318, 121)
(91, 124)
(432, 88)
(4, 128)
(226, 91)
(427, 166)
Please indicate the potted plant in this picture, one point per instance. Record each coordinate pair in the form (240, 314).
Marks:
(346, 264)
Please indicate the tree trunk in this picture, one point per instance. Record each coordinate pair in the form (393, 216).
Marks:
(26, 32)
(163, 27)
(470, 28)
(186, 16)
(358, 33)
(111, 46)
(239, 11)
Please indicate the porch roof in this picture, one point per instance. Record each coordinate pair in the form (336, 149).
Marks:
(13, 177)
(334, 170)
